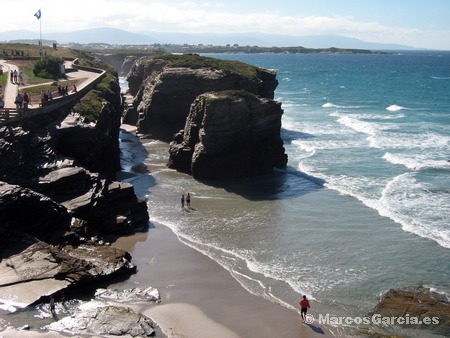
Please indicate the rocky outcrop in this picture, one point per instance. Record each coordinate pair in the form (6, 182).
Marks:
(41, 269)
(105, 315)
(58, 197)
(25, 211)
(165, 87)
(423, 308)
(230, 123)
(94, 147)
(229, 134)
(108, 320)
(121, 63)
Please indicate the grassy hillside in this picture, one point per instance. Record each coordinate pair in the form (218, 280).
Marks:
(196, 61)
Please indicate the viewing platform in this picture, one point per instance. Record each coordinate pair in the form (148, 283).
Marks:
(85, 79)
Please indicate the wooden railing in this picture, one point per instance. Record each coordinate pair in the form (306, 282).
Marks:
(8, 113)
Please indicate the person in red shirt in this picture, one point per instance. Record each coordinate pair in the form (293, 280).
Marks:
(304, 305)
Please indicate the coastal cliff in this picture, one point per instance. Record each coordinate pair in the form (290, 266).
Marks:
(229, 134)
(230, 124)
(165, 86)
(58, 197)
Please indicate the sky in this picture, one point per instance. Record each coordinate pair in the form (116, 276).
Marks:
(416, 23)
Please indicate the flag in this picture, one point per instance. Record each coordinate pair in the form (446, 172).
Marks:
(38, 14)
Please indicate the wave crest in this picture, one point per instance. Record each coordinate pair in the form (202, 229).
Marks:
(395, 107)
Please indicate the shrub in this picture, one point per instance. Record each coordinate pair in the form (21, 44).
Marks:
(48, 67)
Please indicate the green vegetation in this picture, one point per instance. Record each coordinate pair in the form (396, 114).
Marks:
(18, 51)
(42, 73)
(48, 67)
(195, 61)
(90, 106)
(3, 79)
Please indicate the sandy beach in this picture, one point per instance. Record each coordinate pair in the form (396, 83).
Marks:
(201, 299)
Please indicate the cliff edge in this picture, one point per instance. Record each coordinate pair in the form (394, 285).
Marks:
(230, 124)
(59, 196)
(229, 134)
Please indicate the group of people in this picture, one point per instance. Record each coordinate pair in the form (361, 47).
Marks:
(16, 77)
(22, 101)
(46, 95)
(64, 90)
(186, 199)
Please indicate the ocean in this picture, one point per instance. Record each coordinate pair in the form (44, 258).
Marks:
(364, 203)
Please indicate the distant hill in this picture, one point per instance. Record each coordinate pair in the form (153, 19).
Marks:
(118, 36)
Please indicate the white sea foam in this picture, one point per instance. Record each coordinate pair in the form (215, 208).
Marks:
(368, 116)
(440, 78)
(359, 126)
(395, 107)
(416, 161)
(332, 105)
(405, 198)
(421, 141)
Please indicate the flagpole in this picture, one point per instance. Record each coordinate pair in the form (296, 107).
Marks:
(40, 30)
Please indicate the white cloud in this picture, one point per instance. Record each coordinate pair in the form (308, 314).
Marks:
(194, 16)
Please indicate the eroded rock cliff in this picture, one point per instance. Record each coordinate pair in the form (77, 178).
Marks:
(58, 196)
(230, 123)
(165, 86)
(229, 134)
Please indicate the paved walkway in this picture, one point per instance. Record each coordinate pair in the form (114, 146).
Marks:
(11, 89)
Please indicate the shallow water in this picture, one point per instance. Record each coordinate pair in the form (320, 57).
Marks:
(363, 205)
(283, 235)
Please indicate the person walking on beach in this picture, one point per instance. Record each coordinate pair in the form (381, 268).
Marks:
(188, 200)
(182, 201)
(304, 305)
(52, 305)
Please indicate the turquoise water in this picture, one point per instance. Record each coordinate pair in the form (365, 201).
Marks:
(363, 205)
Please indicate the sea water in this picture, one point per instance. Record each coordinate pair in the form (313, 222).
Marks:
(364, 203)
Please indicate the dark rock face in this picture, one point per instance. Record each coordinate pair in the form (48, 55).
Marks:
(24, 210)
(121, 63)
(95, 148)
(58, 195)
(164, 93)
(229, 134)
(417, 304)
(42, 269)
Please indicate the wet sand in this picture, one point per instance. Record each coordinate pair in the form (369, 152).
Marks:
(199, 298)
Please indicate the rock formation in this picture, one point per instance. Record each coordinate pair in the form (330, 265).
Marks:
(417, 305)
(165, 86)
(122, 63)
(58, 196)
(106, 320)
(225, 109)
(106, 315)
(229, 134)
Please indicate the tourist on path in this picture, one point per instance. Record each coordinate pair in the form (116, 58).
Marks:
(182, 201)
(19, 101)
(26, 100)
